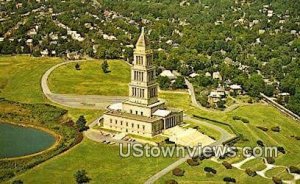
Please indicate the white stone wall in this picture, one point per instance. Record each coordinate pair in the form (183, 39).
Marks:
(131, 126)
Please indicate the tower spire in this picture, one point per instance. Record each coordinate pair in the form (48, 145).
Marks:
(141, 43)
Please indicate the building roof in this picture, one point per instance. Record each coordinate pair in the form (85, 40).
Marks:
(235, 86)
(133, 116)
(214, 94)
(217, 75)
(168, 73)
(116, 106)
(161, 113)
(194, 75)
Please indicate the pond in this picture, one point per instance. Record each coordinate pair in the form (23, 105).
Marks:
(20, 141)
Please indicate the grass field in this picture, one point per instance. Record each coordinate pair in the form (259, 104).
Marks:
(21, 82)
(90, 79)
(280, 172)
(196, 174)
(20, 77)
(101, 161)
(256, 164)
(259, 115)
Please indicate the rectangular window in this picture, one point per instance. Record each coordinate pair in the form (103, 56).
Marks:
(110, 120)
(143, 127)
(132, 125)
(121, 122)
(126, 123)
(116, 121)
(142, 113)
(138, 126)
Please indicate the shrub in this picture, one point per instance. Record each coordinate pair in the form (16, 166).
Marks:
(17, 182)
(260, 143)
(294, 169)
(77, 66)
(222, 157)
(275, 129)
(227, 165)
(171, 182)
(250, 172)
(193, 162)
(262, 128)
(277, 180)
(236, 118)
(244, 120)
(210, 170)
(104, 66)
(281, 149)
(270, 160)
(202, 157)
(81, 177)
(229, 180)
(178, 172)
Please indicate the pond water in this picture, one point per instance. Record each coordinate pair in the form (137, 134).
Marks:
(19, 141)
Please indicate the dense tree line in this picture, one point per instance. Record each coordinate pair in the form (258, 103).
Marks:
(197, 36)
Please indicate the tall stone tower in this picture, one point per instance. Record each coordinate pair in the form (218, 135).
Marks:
(143, 87)
(143, 113)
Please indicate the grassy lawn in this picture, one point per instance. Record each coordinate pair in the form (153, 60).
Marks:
(101, 161)
(259, 115)
(20, 81)
(90, 79)
(280, 172)
(256, 164)
(196, 174)
(20, 77)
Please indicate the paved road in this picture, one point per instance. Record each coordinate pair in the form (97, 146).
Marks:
(192, 93)
(77, 101)
(224, 137)
(197, 104)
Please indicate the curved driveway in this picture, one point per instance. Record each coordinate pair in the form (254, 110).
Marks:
(77, 101)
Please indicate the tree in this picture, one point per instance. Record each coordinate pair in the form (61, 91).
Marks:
(77, 66)
(105, 67)
(221, 104)
(179, 83)
(294, 102)
(255, 85)
(164, 82)
(81, 177)
(269, 90)
(36, 53)
(203, 81)
(81, 124)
